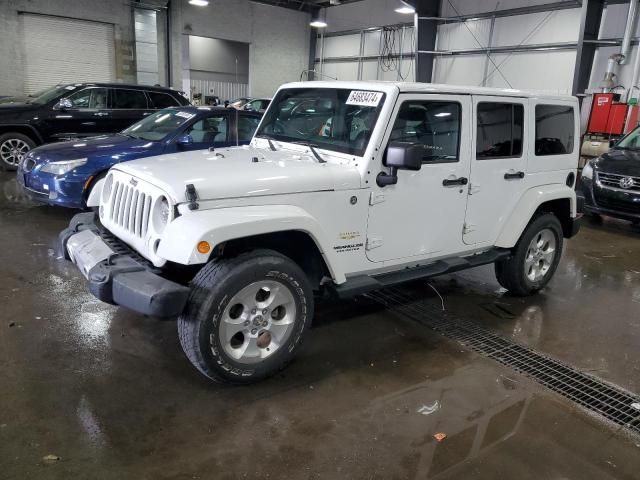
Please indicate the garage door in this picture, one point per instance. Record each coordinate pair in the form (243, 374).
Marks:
(64, 50)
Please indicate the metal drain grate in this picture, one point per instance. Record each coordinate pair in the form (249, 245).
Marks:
(613, 403)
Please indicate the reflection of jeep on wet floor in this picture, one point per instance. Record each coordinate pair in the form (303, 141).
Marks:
(346, 187)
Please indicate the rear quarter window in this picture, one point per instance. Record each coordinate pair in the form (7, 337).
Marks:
(555, 130)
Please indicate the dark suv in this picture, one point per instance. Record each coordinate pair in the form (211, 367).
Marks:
(72, 111)
(611, 183)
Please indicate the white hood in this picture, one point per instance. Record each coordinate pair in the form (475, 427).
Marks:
(233, 172)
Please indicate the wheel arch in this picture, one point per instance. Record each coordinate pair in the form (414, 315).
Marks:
(287, 229)
(557, 199)
(27, 130)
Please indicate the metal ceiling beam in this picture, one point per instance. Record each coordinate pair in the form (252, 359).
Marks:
(510, 12)
(426, 35)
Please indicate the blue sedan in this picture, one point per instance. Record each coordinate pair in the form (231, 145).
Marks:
(65, 173)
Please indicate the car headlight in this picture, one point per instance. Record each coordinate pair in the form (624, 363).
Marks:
(161, 214)
(65, 166)
(587, 171)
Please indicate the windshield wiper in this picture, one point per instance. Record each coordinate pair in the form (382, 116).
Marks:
(269, 139)
(313, 149)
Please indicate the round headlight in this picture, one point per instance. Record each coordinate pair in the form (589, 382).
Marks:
(161, 214)
(106, 189)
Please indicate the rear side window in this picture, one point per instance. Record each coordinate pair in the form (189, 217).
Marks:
(434, 124)
(209, 130)
(247, 125)
(162, 100)
(499, 130)
(129, 99)
(555, 130)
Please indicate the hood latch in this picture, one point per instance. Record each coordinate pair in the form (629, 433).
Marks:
(192, 197)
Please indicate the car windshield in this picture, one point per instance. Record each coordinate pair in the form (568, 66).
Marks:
(335, 119)
(159, 125)
(631, 141)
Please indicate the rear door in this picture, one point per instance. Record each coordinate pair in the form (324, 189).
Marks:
(498, 165)
(127, 107)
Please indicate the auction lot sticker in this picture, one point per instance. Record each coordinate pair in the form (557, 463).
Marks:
(364, 99)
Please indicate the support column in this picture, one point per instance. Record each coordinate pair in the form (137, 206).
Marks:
(590, 18)
(426, 33)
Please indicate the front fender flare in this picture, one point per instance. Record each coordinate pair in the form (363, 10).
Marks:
(527, 206)
(181, 236)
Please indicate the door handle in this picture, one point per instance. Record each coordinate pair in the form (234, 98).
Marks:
(456, 181)
(100, 114)
(514, 175)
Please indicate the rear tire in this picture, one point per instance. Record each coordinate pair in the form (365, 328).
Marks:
(13, 148)
(535, 257)
(246, 316)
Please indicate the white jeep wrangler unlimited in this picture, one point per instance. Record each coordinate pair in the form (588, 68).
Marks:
(346, 187)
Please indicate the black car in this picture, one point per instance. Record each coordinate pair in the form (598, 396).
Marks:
(73, 111)
(611, 183)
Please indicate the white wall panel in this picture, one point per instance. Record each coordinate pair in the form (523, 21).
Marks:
(342, 46)
(365, 14)
(542, 71)
(624, 73)
(341, 70)
(372, 42)
(544, 27)
(463, 36)
(614, 19)
(470, 7)
(459, 70)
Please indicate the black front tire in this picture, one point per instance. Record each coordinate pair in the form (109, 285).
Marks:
(214, 287)
(512, 273)
(8, 143)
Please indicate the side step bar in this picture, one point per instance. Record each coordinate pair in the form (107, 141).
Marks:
(365, 283)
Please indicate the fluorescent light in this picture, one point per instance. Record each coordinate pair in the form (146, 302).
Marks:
(318, 23)
(407, 10)
(199, 3)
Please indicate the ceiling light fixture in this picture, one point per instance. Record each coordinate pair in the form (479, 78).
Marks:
(199, 3)
(319, 20)
(405, 9)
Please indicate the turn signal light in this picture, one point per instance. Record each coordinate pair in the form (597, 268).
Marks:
(204, 247)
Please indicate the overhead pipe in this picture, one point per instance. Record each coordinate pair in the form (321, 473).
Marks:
(621, 57)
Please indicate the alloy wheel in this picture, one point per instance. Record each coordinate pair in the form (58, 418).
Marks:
(540, 255)
(12, 151)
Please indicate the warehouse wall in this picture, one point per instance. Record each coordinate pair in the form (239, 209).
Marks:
(364, 14)
(547, 70)
(279, 38)
(116, 12)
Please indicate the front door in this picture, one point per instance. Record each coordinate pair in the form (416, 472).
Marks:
(423, 214)
(84, 118)
(497, 166)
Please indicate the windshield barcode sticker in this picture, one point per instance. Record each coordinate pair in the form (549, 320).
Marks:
(185, 115)
(364, 99)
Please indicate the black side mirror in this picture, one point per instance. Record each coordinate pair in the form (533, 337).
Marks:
(612, 143)
(400, 156)
(184, 140)
(63, 104)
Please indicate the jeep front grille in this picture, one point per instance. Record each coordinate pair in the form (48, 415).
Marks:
(130, 209)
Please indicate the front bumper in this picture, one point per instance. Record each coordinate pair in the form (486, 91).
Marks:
(64, 191)
(116, 274)
(626, 210)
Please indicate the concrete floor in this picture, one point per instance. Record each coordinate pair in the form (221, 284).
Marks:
(111, 394)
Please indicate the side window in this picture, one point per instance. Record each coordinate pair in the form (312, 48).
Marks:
(129, 99)
(247, 125)
(209, 130)
(434, 124)
(162, 100)
(89, 98)
(499, 130)
(554, 130)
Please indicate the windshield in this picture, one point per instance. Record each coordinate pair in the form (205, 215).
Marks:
(157, 126)
(631, 141)
(341, 120)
